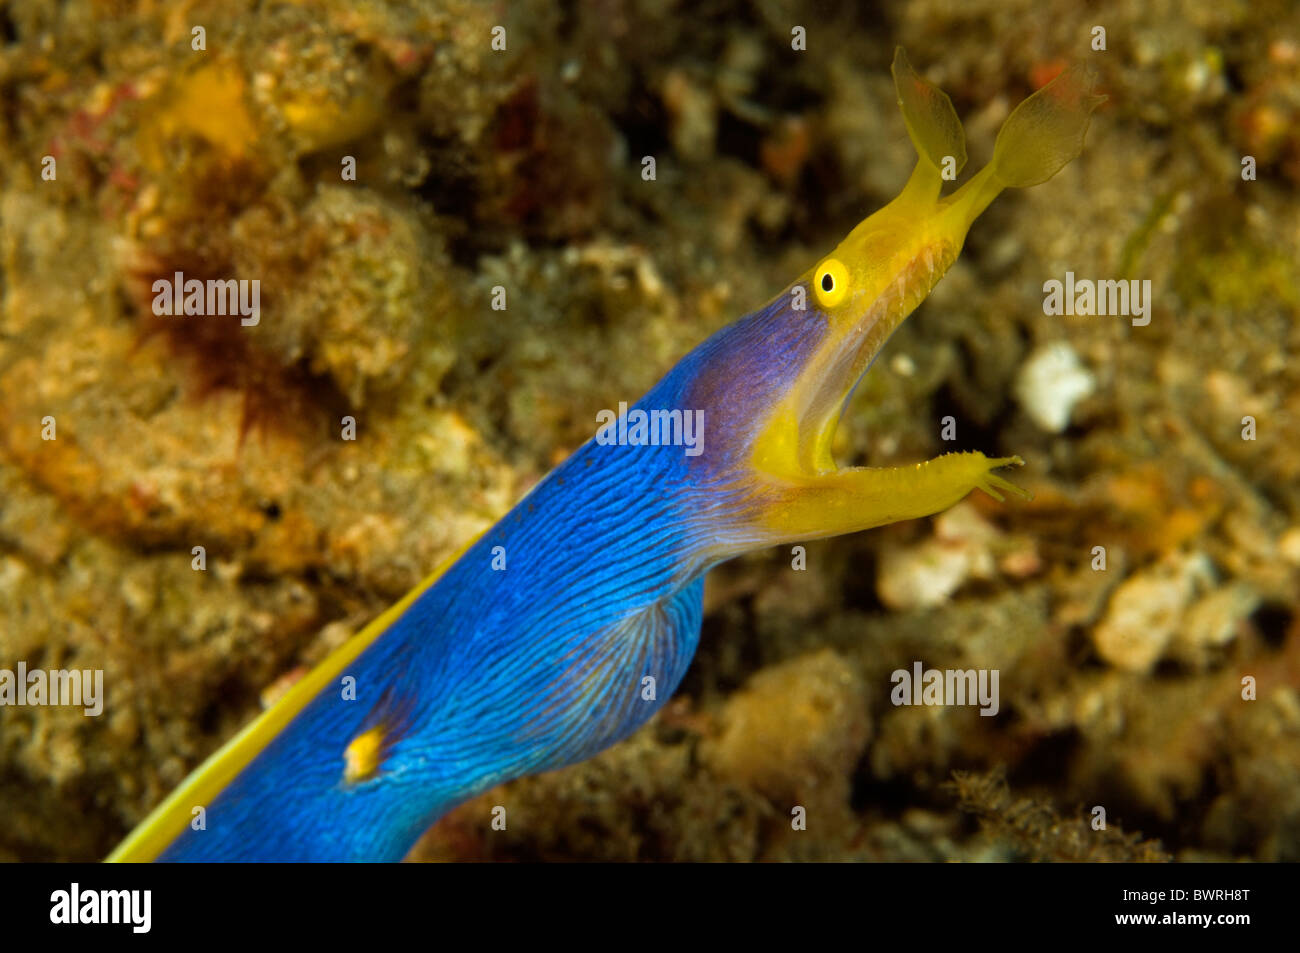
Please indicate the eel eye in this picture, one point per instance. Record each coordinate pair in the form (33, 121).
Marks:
(831, 282)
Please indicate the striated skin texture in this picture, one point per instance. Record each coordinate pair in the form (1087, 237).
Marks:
(492, 674)
(534, 649)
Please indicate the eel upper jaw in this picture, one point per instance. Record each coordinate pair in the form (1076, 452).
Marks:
(888, 294)
(822, 389)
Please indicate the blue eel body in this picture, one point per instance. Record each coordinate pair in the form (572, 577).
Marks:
(493, 674)
(570, 622)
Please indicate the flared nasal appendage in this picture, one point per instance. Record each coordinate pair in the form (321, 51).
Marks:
(933, 127)
(1040, 137)
(1046, 131)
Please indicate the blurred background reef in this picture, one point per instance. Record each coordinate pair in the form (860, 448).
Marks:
(478, 168)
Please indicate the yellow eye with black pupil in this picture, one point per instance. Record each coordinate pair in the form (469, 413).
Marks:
(831, 282)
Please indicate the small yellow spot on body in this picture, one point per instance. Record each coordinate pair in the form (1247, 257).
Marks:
(361, 759)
